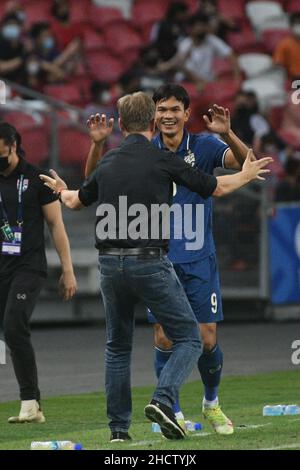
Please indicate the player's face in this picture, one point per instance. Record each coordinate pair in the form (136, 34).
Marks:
(171, 116)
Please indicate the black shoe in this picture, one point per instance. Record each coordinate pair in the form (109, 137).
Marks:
(164, 416)
(119, 436)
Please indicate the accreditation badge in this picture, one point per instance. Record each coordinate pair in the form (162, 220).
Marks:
(13, 247)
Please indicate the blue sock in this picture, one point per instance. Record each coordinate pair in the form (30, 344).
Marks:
(210, 367)
(161, 358)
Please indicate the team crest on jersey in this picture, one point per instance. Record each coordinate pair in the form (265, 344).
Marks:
(190, 158)
(25, 185)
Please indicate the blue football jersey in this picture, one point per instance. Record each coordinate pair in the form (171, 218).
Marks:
(206, 152)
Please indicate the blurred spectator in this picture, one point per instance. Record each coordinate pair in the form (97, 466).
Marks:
(220, 25)
(46, 52)
(289, 189)
(196, 53)
(147, 73)
(287, 53)
(12, 51)
(68, 35)
(33, 74)
(247, 122)
(15, 7)
(166, 33)
(101, 101)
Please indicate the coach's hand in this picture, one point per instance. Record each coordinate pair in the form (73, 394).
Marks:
(254, 169)
(99, 128)
(55, 183)
(219, 122)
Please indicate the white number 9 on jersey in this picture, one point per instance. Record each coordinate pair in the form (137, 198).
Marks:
(214, 303)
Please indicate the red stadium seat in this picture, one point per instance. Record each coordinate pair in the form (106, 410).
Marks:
(74, 145)
(37, 11)
(93, 41)
(36, 144)
(293, 6)
(20, 120)
(121, 38)
(223, 68)
(244, 41)
(68, 92)
(221, 92)
(80, 11)
(101, 17)
(272, 37)
(105, 67)
(236, 11)
(145, 12)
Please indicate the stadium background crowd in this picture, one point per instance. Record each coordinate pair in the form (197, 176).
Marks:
(88, 53)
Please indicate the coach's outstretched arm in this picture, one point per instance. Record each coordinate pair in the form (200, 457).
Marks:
(69, 198)
(252, 170)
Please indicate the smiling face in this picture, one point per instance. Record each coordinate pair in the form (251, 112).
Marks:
(171, 116)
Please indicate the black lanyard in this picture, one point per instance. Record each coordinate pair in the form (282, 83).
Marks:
(20, 205)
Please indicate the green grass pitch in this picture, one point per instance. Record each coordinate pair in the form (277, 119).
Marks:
(81, 418)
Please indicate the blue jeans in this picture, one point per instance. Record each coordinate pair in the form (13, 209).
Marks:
(124, 281)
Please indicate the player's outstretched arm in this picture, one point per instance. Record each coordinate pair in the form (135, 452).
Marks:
(252, 170)
(99, 130)
(220, 123)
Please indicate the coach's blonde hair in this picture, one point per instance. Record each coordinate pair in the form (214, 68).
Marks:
(136, 112)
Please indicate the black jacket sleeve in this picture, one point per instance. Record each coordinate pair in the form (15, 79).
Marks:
(88, 193)
(185, 175)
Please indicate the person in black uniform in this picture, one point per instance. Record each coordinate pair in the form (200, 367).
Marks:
(129, 184)
(24, 205)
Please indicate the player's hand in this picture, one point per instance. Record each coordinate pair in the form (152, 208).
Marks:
(67, 285)
(56, 184)
(254, 169)
(219, 122)
(99, 128)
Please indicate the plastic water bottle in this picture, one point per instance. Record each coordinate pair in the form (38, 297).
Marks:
(292, 410)
(155, 427)
(273, 410)
(56, 445)
(191, 426)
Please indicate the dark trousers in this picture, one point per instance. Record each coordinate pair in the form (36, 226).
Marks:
(18, 297)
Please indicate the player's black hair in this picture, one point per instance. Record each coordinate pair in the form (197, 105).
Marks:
(10, 136)
(295, 17)
(171, 90)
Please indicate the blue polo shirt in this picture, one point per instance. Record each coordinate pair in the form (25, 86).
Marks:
(206, 152)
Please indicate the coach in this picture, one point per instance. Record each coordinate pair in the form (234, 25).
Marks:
(136, 268)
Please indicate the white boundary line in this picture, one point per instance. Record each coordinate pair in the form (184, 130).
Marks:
(284, 446)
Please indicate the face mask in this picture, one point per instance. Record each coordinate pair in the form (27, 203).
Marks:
(4, 164)
(296, 29)
(11, 31)
(105, 97)
(33, 68)
(48, 43)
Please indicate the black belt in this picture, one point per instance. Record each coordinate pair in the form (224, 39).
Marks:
(140, 252)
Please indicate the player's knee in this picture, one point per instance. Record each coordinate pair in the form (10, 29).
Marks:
(209, 337)
(160, 339)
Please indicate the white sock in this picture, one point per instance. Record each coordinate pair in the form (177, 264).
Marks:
(179, 415)
(210, 404)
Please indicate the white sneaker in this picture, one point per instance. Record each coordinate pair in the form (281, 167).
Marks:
(30, 413)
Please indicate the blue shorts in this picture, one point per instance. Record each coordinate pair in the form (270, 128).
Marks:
(201, 283)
